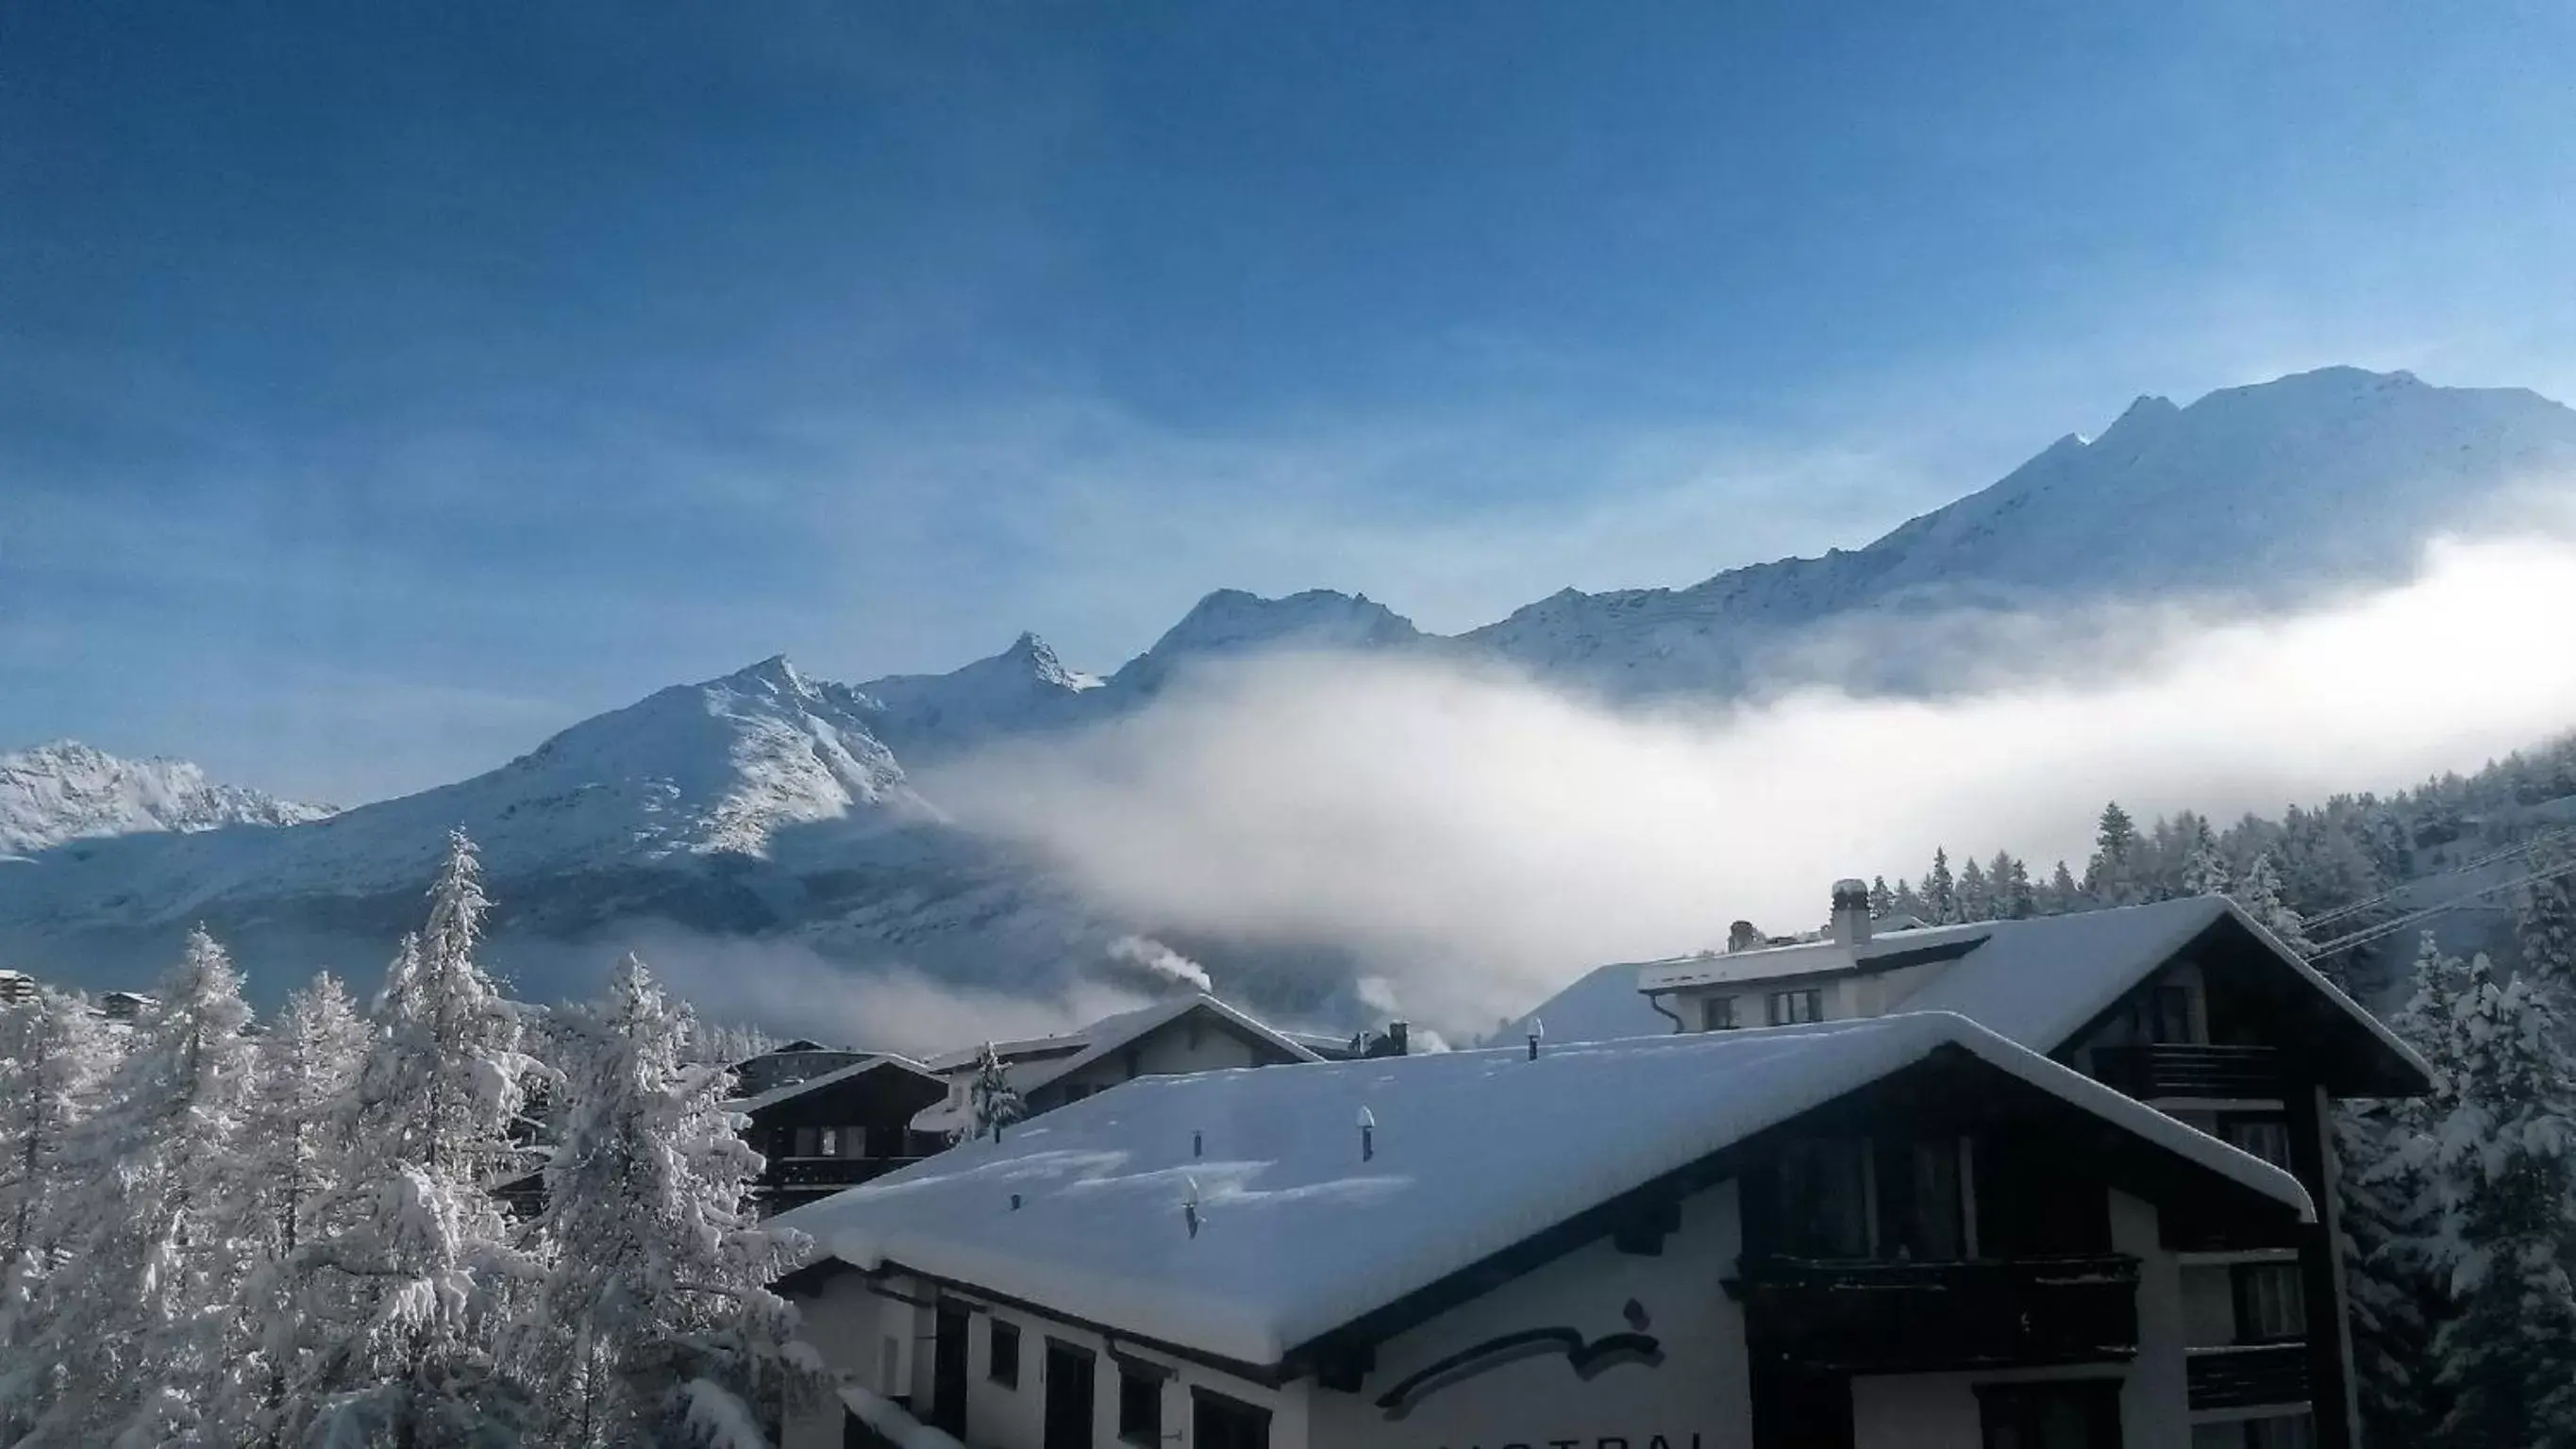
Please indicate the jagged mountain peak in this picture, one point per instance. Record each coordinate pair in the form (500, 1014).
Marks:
(1234, 621)
(65, 790)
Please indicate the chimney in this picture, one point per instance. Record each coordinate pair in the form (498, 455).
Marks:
(1851, 913)
(1399, 1037)
(1744, 936)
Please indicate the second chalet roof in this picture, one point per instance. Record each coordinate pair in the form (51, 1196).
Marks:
(2041, 981)
(1040, 1060)
(834, 1077)
(1081, 1211)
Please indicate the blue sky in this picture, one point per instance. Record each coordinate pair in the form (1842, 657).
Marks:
(382, 387)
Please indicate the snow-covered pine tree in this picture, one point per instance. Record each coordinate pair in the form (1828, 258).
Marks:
(992, 1102)
(2494, 1155)
(2204, 871)
(417, 1266)
(2020, 902)
(1882, 901)
(2063, 894)
(2388, 1226)
(1910, 902)
(1940, 891)
(54, 1061)
(2259, 893)
(2544, 920)
(138, 1322)
(293, 1150)
(1976, 896)
(657, 1315)
(2110, 876)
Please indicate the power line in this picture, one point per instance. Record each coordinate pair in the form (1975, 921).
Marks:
(2506, 853)
(2368, 934)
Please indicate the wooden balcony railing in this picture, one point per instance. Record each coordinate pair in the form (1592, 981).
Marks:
(807, 1173)
(2149, 1073)
(2248, 1376)
(1929, 1317)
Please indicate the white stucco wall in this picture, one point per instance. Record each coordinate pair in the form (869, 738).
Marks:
(1697, 1395)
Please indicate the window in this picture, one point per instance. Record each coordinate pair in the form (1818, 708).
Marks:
(2081, 1414)
(1922, 1216)
(2265, 1137)
(1140, 1406)
(2162, 1015)
(1002, 1355)
(829, 1145)
(808, 1142)
(2270, 1305)
(1217, 1422)
(1788, 1008)
(1717, 1013)
(1076, 1092)
(1823, 1201)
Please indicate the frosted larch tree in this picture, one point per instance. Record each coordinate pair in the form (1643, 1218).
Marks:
(1976, 896)
(294, 1150)
(1940, 891)
(55, 1056)
(143, 1311)
(2259, 892)
(656, 1323)
(418, 1271)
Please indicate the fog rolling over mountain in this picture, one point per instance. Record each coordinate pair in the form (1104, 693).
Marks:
(768, 817)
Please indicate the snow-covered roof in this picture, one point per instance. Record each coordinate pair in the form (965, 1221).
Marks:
(1043, 1059)
(2037, 981)
(1299, 1236)
(790, 1090)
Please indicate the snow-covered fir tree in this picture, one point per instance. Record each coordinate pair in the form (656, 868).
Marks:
(418, 1272)
(658, 1326)
(139, 1322)
(2020, 902)
(2063, 894)
(1976, 895)
(2111, 875)
(1940, 891)
(992, 1103)
(2388, 1222)
(2544, 919)
(2204, 871)
(2493, 1156)
(2259, 893)
(55, 1057)
(1882, 901)
(295, 1149)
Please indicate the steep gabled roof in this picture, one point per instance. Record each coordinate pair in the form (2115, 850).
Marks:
(1080, 1212)
(792, 1090)
(1043, 1059)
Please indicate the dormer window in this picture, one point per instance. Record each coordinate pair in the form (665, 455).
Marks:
(1717, 1013)
(1792, 1008)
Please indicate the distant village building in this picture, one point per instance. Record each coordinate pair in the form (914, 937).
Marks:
(16, 987)
(125, 1006)
(847, 1125)
(1906, 1230)
(1194, 1033)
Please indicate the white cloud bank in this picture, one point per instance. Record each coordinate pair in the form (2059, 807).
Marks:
(1479, 840)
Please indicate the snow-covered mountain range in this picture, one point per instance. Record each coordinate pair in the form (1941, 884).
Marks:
(771, 807)
(67, 791)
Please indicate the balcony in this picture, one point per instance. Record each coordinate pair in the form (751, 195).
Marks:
(1931, 1317)
(2152, 1073)
(828, 1174)
(2248, 1376)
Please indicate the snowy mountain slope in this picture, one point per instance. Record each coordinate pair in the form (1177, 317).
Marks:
(769, 807)
(1024, 688)
(68, 791)
(2272, 491)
